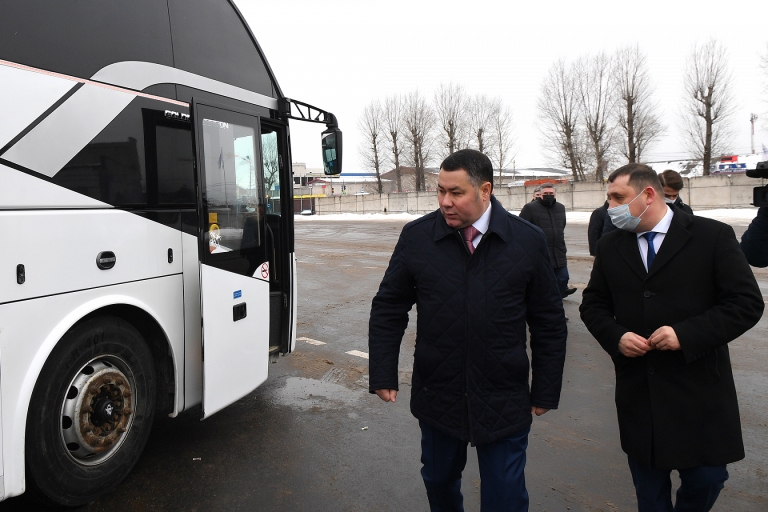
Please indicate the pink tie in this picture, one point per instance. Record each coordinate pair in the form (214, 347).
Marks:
(469, 234)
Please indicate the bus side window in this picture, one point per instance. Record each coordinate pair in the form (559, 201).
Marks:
(111, 167)
(170, 160)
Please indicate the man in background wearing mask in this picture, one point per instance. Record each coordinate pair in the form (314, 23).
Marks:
(668, 291)
(672, 183)
(549, 215)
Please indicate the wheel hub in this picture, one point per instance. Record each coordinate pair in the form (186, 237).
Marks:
(97, 410)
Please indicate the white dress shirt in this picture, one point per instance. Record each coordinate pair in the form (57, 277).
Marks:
(481, 225)
(661, 231)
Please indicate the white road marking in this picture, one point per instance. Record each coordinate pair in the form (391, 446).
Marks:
(311, 341)
(370, 267)
(357, 353)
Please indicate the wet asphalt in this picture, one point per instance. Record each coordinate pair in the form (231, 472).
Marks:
(313, 439)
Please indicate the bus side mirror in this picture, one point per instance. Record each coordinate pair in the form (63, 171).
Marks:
(331, 141)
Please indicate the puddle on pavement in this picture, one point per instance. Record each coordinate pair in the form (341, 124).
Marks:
(308, 393)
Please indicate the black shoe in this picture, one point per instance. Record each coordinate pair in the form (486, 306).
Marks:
(569, 291)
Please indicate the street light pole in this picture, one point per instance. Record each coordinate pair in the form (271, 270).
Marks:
(752, 119)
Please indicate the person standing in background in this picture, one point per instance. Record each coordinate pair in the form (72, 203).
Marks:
(672, 183)
(599, 224)
(549, 216)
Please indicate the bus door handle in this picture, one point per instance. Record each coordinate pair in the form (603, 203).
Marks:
(239, 312)
(106, 260)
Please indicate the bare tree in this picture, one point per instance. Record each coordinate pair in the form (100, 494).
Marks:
(419, 123)
(559, 116)
(371, 126)
(392, 116)
(596, 93)
(450, 109)
(502, 133)
(480, 114)
(708, 103)
(270, 162)
(635, 110)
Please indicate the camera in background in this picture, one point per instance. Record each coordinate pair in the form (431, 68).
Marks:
(759, 194)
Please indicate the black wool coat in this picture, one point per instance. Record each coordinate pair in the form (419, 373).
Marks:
(676, 409)
(551, 220)
(595, 229)
(471, 370)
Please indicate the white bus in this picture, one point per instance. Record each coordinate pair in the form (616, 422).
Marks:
(146, 205)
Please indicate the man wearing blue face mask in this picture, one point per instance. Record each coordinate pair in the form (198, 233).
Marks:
(667, 293)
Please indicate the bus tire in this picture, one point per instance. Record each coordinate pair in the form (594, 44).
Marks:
(90, 414)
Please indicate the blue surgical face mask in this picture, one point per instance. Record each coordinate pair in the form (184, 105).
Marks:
(622, 218)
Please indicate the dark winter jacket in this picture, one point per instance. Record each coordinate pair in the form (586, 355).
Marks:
(676, 409)
(551, 220)
(680, 205)
(599, 224)
(754, 241)
(471, 370)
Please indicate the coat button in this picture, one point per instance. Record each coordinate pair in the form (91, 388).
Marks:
(646, 294)
(651, 370)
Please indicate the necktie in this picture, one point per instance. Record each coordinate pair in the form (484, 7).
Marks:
(651, 255)
(469, 234)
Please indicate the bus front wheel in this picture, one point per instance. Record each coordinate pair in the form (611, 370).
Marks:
(91, 412)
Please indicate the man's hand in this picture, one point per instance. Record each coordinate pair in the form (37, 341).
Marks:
(632, 345)
(664, 338)
(388, 395)
(538, 411)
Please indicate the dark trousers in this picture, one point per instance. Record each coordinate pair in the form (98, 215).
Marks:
(561, 274)
(699, 488)
(502, 471)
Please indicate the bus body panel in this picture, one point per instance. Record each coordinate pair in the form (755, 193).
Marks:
(68, 242)
(294, 301)
(68, 129)
(193, 345)
(23, 191)
(235, 353)
(27, 337)
(26, 96)
(79, 38)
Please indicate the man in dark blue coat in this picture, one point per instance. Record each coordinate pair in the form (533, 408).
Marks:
(477, 275)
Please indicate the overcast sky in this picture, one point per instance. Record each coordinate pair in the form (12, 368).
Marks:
(340, 55)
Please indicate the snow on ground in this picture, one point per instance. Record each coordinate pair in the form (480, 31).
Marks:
(741, 216)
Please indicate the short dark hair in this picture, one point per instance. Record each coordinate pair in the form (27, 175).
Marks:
(640, 176)
(671, 179)
(478, 166)
(547, 185)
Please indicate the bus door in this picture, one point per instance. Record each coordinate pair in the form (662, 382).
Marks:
(278, 186)
(234, 254)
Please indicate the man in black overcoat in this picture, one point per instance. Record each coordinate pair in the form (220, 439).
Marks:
(549, 215)
(668, 292)
(477, 275)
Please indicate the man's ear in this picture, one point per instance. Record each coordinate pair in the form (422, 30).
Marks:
(485, 190)
(651, 194)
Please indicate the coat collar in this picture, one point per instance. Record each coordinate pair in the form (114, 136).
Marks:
(497, 224)
(674, 240)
